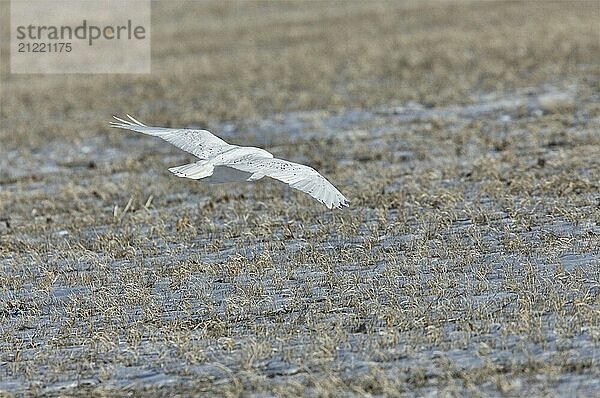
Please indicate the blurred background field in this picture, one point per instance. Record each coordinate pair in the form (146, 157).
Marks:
(464, 134)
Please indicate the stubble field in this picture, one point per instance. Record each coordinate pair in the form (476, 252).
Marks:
(465, 135)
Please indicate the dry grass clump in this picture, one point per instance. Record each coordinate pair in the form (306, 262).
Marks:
(464, 134)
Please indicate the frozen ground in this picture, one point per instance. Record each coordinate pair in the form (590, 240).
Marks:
(478, 285)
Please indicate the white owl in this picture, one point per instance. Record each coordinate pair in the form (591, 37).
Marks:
(222, 162)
